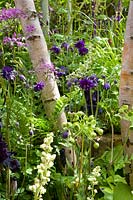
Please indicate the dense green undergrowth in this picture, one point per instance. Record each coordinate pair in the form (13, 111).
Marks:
(87, 66)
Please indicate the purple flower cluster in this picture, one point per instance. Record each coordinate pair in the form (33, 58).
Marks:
(65, 134)
(80, 45)
(72, 81)
(14, 40)
(10, 13)
(8, 73)
(62, 71)
(55, 49)
(22, 77)
(106, 86)
(88, 83)
(30, 28)
(65, 45)
(39, 86)
(6, 157)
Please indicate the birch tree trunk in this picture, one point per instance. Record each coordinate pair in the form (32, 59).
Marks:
(42, 65)
(46, 18)
(126, 89)
(70, 20)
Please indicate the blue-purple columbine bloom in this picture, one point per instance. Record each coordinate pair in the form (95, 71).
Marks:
(5, 157)
(22, 77)
(88, 83)
(61, 71)
(72, 81)
(80, 44)
(65, 45)
(39, 86)
(8, 73)
(106, 86)
(65, 134)
(83, 51)
(59, 74)
(55, 49)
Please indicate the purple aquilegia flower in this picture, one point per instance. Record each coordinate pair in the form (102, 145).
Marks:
(22, 77)
(69, 83)
(30, 28)
(88, 83)
(62, 71)
(14, 165)
(65, 45)
(72, 81)
(83, 51)
(5, 157)
(80, 44)
(106, 86)
(59, 74)
(39, 86)
(10, 13)
(8, 73)
(55, 49)
(65, 134)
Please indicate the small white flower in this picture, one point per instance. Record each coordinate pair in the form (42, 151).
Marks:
(89, 187)
(95, 191)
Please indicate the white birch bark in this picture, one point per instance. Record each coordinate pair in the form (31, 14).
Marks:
(126, 88)
(40, 58)
(46, 17)
(69, 4)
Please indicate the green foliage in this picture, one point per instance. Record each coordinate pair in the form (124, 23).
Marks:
(122, 191)
(25, 125)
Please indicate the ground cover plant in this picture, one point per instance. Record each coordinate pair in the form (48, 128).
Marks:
(40, 158)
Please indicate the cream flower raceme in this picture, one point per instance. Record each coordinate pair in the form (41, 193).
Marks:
(43, 169)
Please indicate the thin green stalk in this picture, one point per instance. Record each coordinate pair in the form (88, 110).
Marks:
(26, 157)
(112, 143)
(8, 188)
(81, 158)
(74, 16)
(89, 153)
(112, 139)
(91, 102)
(96, 113)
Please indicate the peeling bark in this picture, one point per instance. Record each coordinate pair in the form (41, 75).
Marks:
(126, 88)
(42, 65)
